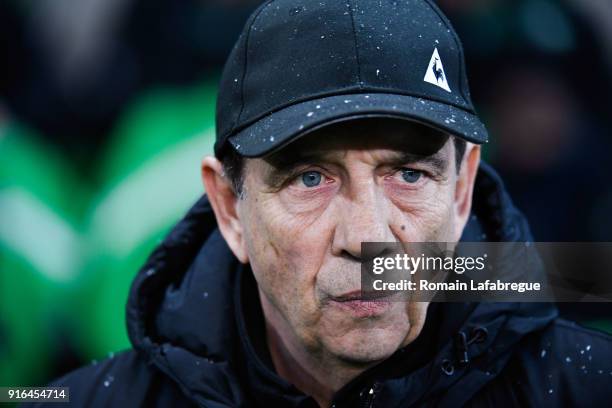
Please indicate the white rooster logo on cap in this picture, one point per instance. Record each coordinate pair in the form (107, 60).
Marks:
(435, 72)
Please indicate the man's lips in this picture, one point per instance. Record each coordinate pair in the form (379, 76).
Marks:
(362, 296)
(362, 304)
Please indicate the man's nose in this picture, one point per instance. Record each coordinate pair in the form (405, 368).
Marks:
(362, 217)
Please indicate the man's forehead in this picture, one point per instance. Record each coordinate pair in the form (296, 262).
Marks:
(390, 135)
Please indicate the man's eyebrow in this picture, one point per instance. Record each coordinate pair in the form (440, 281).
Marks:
(437, 161)
(282, 166)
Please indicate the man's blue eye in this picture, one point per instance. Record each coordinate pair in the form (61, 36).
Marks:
(411, 176)
(311, 178)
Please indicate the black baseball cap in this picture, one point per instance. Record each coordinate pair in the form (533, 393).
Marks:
(301, 65)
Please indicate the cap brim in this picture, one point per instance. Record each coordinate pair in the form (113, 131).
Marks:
(288, 124)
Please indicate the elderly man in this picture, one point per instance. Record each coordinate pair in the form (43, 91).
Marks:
(338, 123)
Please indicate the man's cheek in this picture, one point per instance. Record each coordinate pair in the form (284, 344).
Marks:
(276, 243)
(292, 294)
(439, 224)
(275, 222)
(271, 273)
(280, 267)
(421, 224)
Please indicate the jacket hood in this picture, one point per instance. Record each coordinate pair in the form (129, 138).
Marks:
(181, 316)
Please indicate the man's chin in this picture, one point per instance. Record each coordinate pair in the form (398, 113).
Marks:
(363, 346)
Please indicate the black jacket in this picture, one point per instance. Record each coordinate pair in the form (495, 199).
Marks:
(196, 327)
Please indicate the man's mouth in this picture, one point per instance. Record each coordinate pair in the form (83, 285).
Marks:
(362, 304)
(363, 296)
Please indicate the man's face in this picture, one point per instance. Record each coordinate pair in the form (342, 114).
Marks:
(306, 210)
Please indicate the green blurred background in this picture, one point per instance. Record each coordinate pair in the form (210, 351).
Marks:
(69, 249)
(107, 108)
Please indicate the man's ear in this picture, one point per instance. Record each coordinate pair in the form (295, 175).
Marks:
(465, 187)
(225, 205)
